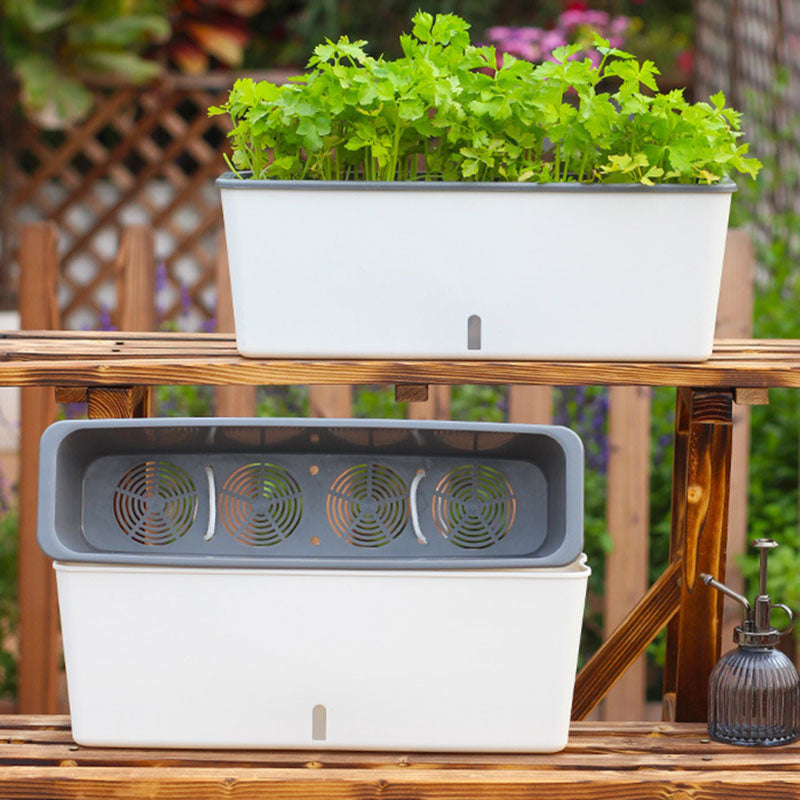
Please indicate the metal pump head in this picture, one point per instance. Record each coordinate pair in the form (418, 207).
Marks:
(756, 629)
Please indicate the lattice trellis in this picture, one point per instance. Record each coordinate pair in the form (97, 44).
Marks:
(144, 156)
(751, 50)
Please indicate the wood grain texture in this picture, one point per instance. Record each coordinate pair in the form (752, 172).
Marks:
(39, 358)
(751, 397)
(72, 394)
(411, 392)
(231, 401)
(119, 402)
(39, 650)
(627, 642)
(702, 546)
(624, 761)
(627, 518)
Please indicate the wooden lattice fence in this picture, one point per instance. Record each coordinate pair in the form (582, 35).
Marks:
(144, 156)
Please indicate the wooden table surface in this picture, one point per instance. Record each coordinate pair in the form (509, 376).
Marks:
(623, 761)
(61, 358)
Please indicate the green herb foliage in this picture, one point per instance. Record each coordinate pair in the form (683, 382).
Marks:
(448, 110)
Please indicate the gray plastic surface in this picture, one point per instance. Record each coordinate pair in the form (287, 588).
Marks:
(310, 493)
(228, 180)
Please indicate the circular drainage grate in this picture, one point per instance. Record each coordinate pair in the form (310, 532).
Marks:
(367, 505)
(155, 503)
(474, 506)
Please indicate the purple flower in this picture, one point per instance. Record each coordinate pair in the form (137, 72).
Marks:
(186, 299)
(161, 276)
(104, 323)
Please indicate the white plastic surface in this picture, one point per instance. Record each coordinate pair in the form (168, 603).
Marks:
(447, 660)
(552, 275)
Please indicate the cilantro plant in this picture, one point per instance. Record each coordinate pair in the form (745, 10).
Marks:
(447, 111)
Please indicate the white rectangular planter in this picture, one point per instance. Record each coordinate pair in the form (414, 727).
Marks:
(437, 660)
(469, 270)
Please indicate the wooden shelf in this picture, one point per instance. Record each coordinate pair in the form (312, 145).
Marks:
(65, 358)
(621, 760)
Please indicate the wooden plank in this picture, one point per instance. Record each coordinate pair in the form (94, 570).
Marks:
(735, 319)
(701, 542)
(69, 781)
(135, 269)
(411, 392)
(231, 401)
(627, 518)
(437, 406)
(39, 649)
(108, 359)
(751, 397)
(136, 297)
(530, 405)
(627, 642)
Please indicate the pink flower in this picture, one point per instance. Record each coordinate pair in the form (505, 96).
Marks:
(619, 25)
(553, 39)
(500, 32)
(575, 19)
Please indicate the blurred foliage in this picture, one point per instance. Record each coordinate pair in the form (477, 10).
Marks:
(285, 30)
(209, 34)
(9, 611)
(766, 209)
(50, 45)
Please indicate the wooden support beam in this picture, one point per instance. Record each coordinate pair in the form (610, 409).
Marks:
(231, 401)
(39, 650)
(530, 404)
(699, 536)
(627, 518)
(119, 402)
(411, 392)
(627, 642)
(751, 397)
(72, 394)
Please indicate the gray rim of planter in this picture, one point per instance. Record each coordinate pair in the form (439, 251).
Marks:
(228, 180)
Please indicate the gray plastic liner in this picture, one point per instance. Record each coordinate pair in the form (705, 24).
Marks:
(311, 493)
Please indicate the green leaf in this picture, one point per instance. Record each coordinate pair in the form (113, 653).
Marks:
(125, 65)
(423, 22)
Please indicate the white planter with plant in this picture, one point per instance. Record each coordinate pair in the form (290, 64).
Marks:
(440, 206)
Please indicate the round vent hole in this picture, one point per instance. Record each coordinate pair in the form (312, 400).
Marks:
(367, 505)
(474, 506)
(260, 504)
(155, 503)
